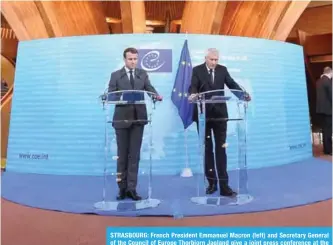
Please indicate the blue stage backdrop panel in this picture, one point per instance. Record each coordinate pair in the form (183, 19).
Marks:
(57, 121)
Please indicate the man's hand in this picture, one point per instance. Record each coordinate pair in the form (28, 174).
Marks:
(158, 97)
(247, 97)
(192, 97)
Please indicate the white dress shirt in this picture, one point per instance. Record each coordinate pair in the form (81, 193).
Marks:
(128, 73)
(213, 72)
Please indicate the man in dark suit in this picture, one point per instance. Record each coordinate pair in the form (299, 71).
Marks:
(324, 108)
(206, 77)
(129, 133)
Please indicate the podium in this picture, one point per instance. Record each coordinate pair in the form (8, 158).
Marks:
(222, 107)
(126, 102)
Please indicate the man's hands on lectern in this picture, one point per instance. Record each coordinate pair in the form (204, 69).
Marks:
(158, 98)
(247, 97)
(192, 97)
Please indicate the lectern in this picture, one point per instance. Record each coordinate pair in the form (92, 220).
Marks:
(223, 106)
(126, 99)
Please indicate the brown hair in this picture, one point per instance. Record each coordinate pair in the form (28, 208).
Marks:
(130, 50)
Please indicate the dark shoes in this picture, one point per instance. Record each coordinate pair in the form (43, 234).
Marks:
(211, 189)
(131, 194)
(227, 191)
(121, 194)
(224, 190)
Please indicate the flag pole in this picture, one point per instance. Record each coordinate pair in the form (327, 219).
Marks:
(187, 172)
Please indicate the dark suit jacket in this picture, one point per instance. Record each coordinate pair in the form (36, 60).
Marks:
(201, 83)
(324, 96)
(119, 81)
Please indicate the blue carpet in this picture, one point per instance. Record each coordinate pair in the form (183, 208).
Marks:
(295, 184)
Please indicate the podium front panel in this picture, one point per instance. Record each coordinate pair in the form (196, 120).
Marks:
(218, 111)
(125, 125)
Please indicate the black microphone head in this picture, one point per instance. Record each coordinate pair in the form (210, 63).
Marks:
(103, 97)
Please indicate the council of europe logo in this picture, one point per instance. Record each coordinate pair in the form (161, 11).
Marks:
(155, 60)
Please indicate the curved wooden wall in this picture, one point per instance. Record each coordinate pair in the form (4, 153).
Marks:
(133, 15)
(9, 43)
(262, 19)
(7, 74)
(314, 21)
(44, 19)
(203, 17)
(7, 71)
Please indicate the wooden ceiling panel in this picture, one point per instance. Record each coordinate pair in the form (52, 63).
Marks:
(44, 19)
(315, 3)
(321, 59)
(70, 18)
(4, 22)
(133, 16)
(262, 19)
(25, 19)
(318, 45)
(288, 20)
(314, 21)
(9, 43)
(154, 10)
(112, 9)
(203, 17)
(157, 10)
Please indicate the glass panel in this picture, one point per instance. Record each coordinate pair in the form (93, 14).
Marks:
(218, 110)
(127, 181)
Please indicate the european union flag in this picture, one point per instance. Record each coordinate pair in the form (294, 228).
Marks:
(179, 94)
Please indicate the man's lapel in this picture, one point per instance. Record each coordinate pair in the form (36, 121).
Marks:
(124, 79)
(217, 78)
(137, 79)
(207, 77)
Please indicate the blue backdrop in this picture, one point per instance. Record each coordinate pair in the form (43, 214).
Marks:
(57, 123)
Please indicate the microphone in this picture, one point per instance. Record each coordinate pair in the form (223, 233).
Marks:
(199, 91)
(201, 87)
(103, 96)
(157, 98)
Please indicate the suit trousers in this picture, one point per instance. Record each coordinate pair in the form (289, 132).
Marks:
(326, 126)
(220, 134)
(129, 141)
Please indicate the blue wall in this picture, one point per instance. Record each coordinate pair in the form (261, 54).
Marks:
(57, 118)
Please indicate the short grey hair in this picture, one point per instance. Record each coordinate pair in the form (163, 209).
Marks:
(212, 51)
(327, 70)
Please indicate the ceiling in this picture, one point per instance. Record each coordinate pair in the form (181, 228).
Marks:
(314, 4)
(160, 11)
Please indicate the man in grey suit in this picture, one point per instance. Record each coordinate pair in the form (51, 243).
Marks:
(129, 133)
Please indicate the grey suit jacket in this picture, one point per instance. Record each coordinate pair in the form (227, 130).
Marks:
(119, 81)
(200, 82)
